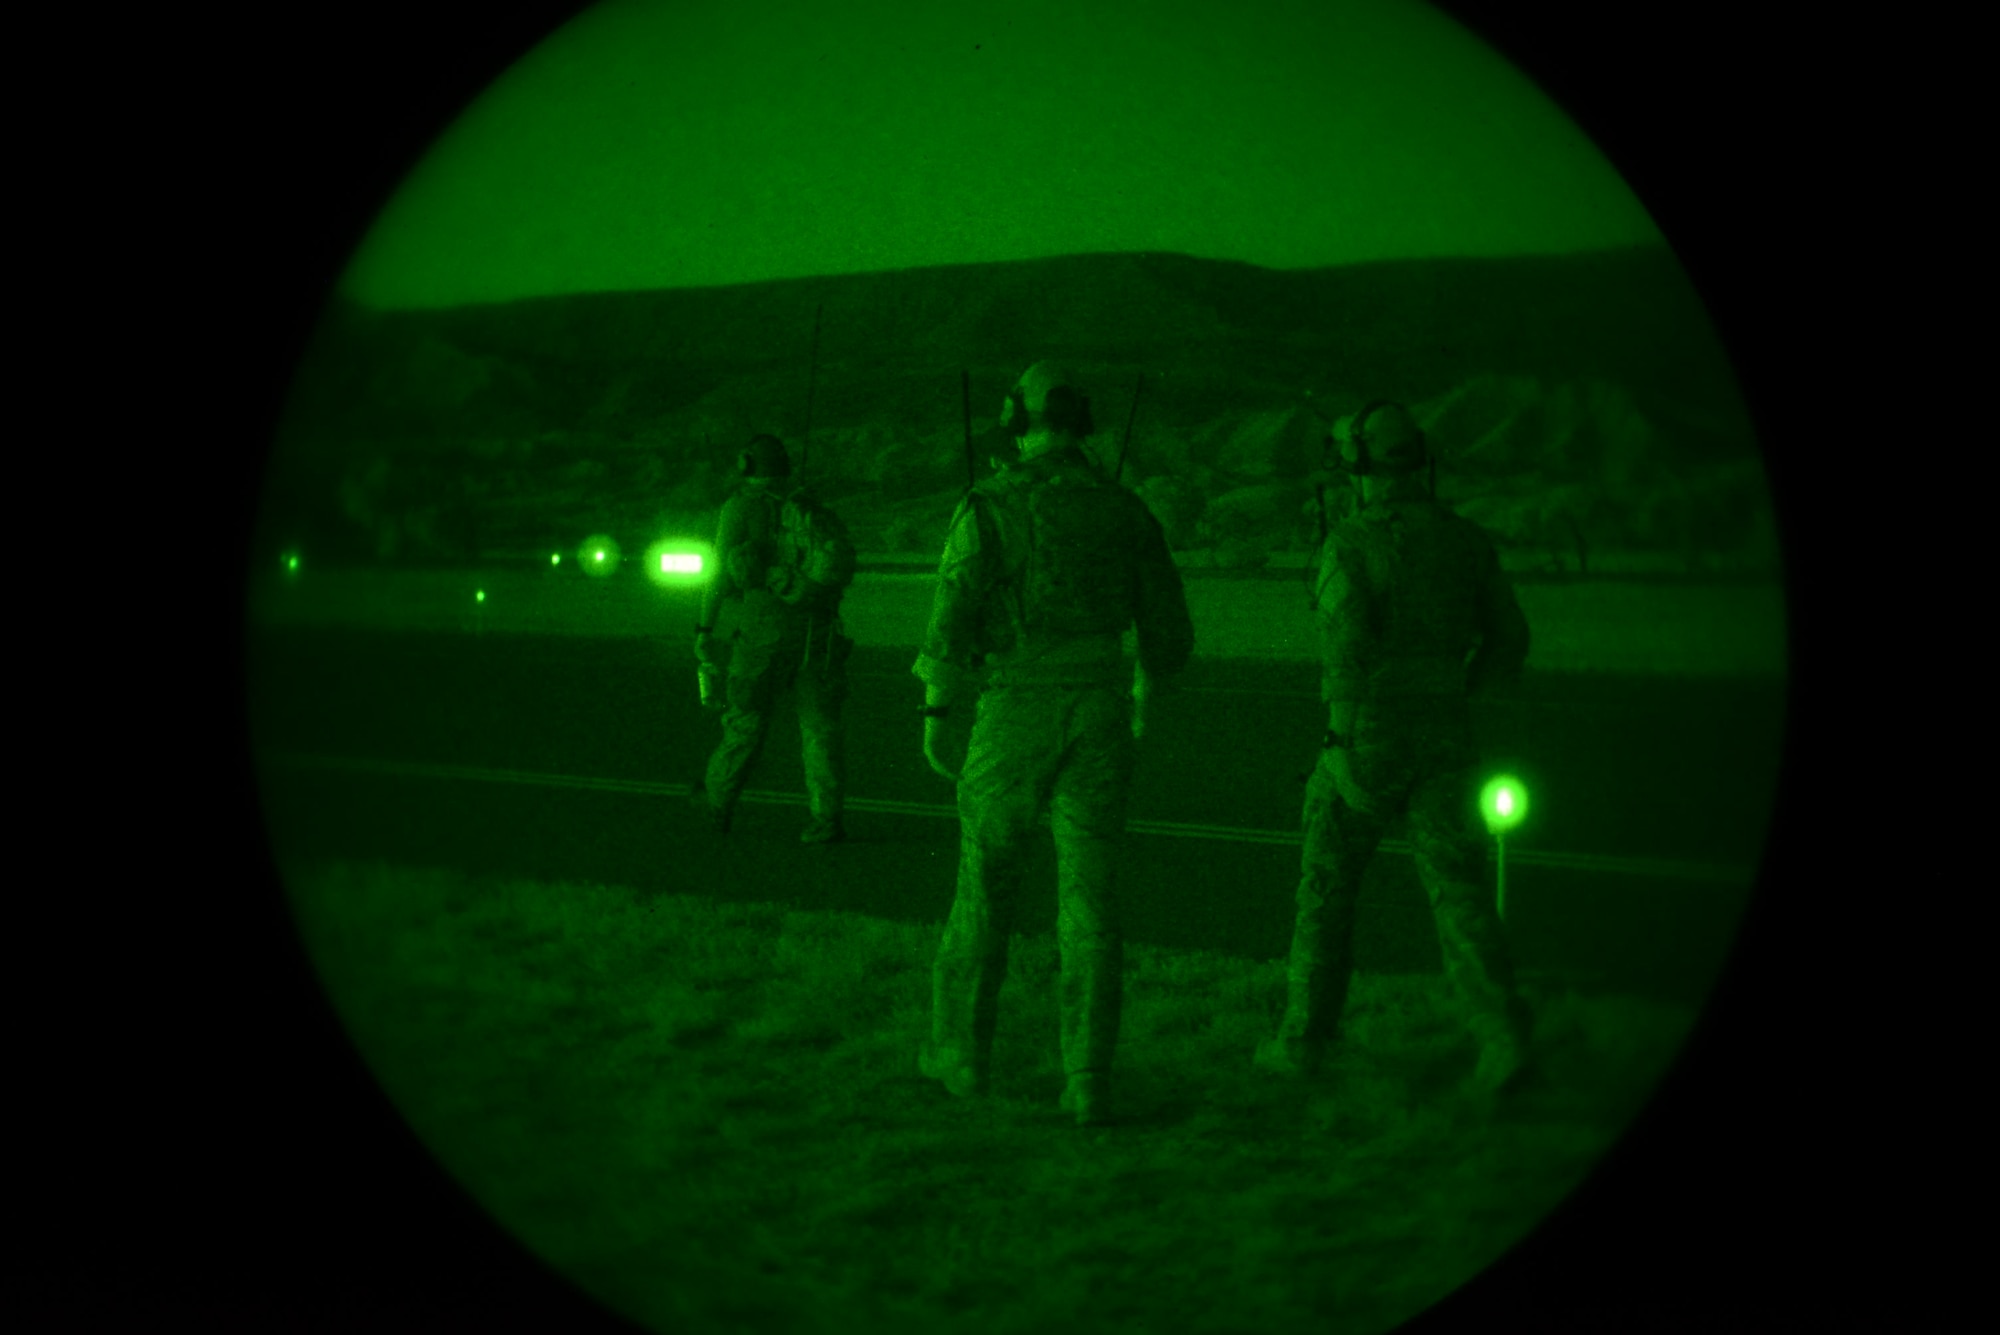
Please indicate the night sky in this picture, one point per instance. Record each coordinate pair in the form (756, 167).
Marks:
(667, 144)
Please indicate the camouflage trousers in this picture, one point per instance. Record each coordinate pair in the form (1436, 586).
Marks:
(809, 657)
(1411, 759)
(1067, 751)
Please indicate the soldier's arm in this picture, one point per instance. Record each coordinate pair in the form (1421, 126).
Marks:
(1165, 630)
(1503, 628)
(729, 533)
(812, 592)
(1344, 611)
(945, 665)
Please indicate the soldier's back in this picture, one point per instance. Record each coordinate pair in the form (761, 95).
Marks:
(1067, 575)
(1055, 518)
(1412, 578)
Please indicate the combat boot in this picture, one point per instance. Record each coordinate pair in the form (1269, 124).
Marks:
(962, 1079)
(714, 817)
(823, 830)
(1504, 1066)
(1506, 1049)
(1290, 1056)
(1084, 1097)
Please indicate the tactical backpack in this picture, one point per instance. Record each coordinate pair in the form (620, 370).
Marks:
(812, 544)
(1078, 580)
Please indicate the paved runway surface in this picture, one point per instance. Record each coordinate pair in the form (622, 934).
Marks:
(568, 757)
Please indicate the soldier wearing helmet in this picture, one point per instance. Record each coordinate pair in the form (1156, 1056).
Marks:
(771, 546)
(1414, 615)
(1047, 564)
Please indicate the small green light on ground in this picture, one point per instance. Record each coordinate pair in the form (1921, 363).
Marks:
(555, 558)
(291, 563)
(480, 596)
(1503, 803)
(599, 555)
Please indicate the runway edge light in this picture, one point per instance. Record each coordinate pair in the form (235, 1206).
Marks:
(678, 563)
(598, 555)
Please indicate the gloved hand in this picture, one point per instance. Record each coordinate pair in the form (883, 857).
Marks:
(1144, 687)
(1346, 771)
(1346, 781)
(806, 592)
(946, 741)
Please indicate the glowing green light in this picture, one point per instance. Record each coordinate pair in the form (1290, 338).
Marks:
(677, 562)
(480, 596)
(555, 558)
(599, 554)
(1503, 803)
(291, 563)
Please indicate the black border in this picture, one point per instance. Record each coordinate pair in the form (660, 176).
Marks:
(242, 1210)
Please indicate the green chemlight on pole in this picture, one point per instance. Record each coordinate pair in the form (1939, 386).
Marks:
(1503, 804)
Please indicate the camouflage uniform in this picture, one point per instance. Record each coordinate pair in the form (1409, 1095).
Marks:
(1405, 591)
(778, 646)
(1046, 566)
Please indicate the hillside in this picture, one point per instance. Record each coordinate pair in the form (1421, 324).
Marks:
(1576, 402)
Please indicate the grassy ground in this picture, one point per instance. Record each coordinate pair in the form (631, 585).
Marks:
(707, 1114)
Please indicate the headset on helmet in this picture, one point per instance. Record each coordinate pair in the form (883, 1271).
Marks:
(1364, 464)
(1063, 409)
(764, 456)
(1014, 413)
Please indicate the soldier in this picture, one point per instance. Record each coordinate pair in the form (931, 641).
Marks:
(1405, 590)
(1047, 564)
(789, 560)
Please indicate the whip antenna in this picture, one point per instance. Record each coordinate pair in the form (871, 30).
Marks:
(965, 400)
(812, 375)
(1126, 444)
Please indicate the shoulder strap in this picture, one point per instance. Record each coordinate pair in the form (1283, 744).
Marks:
(980, 504)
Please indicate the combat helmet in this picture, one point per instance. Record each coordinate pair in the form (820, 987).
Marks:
(1382, 439)
(1045, 397)
(764, 456)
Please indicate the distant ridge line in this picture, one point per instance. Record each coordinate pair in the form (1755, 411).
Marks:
(1652, 251)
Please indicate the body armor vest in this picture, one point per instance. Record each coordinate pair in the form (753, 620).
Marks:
(1078, 578)
(1422, 574)
(1067, 547)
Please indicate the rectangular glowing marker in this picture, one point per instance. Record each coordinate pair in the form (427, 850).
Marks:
(680, 563)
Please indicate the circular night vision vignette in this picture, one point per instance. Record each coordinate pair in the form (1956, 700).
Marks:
(677, 560)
